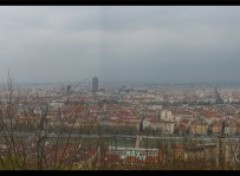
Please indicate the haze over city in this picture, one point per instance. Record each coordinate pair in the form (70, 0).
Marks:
(153, 44)
(119, 88)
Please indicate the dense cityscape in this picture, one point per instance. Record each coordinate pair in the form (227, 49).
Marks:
(133, 126)
(119, 88)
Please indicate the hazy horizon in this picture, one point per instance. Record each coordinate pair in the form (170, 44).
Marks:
(155, 44)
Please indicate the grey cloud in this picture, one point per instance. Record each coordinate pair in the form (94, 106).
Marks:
(120, 43)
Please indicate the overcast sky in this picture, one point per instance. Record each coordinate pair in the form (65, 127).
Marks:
(154, 44)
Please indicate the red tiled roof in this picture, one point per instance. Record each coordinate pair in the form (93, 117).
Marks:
(181, 112)
(210, 114)
(112, 158)
(133, 159)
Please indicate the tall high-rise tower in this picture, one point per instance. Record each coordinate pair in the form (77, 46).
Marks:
(218, 97)
(95, 84)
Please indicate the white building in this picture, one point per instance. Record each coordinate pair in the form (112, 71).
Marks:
(167, 116)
